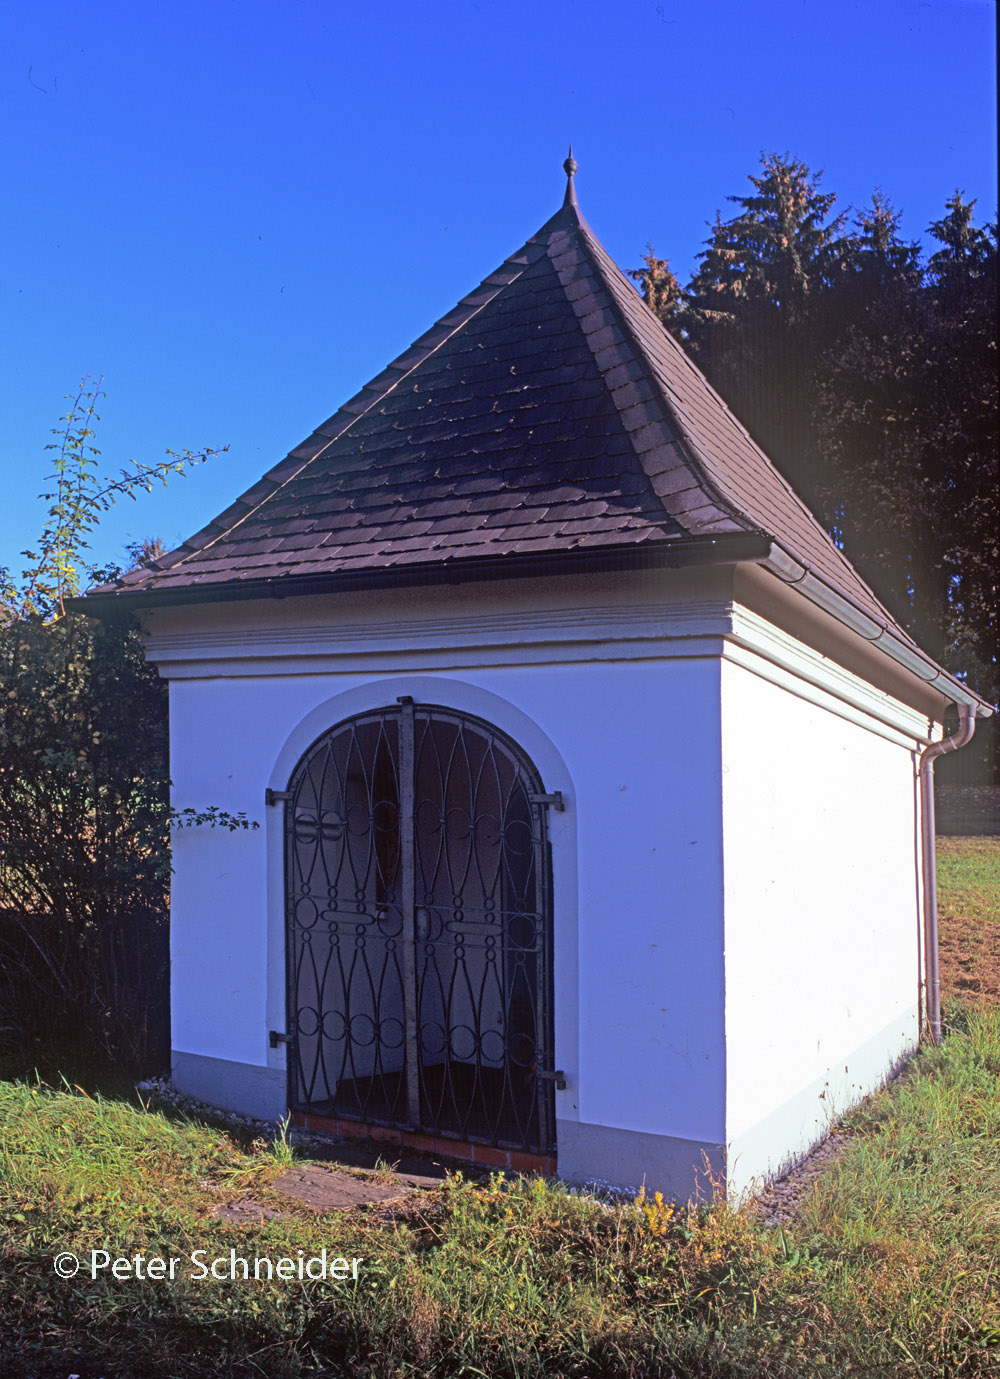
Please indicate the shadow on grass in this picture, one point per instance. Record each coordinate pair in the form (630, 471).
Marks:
(91, 1073)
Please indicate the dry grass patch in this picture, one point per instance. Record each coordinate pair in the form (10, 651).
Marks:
(969, 911)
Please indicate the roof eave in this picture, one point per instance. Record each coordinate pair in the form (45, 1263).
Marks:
(724, 548)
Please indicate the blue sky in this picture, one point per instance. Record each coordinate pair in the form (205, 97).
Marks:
(238, 212)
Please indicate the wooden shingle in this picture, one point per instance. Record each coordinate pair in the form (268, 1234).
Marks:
(548, 412)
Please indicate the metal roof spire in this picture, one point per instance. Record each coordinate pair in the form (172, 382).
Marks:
(570, 166)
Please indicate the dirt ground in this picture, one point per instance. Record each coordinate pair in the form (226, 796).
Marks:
(969, 927)
(970, 963)
(328, 1187)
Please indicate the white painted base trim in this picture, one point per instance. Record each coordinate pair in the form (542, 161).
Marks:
(787, 1134)
(245, 1088)
(604, 1156)
(626, 1160)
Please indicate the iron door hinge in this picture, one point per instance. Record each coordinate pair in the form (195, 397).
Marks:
(555, 800)
(273, 796)
(558, 1077)
(275, 1038)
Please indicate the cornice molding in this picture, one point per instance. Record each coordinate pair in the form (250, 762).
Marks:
(611, 623)
(609, 632)
(764, 648)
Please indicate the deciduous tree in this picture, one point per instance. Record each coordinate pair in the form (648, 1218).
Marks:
(84, 807)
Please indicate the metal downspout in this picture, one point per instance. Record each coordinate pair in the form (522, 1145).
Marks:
(966, 727)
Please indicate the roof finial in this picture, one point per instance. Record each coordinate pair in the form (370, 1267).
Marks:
(570, 167)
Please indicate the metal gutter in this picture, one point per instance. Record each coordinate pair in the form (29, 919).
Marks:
(791, 571)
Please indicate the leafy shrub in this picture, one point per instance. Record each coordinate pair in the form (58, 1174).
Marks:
(84, 794)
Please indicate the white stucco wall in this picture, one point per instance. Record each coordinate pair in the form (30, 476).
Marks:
(633, 743)
(821, 834)
(737, 934)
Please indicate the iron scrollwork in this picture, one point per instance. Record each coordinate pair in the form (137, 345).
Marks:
(419, 929)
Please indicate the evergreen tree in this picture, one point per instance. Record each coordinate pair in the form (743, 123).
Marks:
(967, 249)
(778, 252)
(662, 292)
(871, 302)
(875, 261)
(756, 317)
(869, 377)
(906, 409)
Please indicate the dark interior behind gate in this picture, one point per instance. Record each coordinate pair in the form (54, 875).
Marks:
(419, 930)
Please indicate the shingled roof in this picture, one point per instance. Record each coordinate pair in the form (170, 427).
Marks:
(548, 414)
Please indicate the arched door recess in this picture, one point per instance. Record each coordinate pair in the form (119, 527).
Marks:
(419, 930)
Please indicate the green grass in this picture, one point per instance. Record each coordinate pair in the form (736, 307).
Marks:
(968, 875)
(891, 1268)
(908, 1217)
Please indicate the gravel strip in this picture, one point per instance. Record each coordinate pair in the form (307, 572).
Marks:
(160, 1093)
(778, 1203)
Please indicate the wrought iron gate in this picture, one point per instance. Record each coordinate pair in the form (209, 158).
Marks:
(419, 930)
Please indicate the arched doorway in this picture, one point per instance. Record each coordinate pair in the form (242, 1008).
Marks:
(419, 930)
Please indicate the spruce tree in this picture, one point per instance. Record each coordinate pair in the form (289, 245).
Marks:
(662, 292)
(756, 304)
(869, 376)
(906, 411)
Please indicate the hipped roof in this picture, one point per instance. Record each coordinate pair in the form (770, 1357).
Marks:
(548, 420)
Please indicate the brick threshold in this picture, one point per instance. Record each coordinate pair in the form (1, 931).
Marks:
(457, 1151)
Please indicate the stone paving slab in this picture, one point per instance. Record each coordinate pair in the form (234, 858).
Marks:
(247, 1210)
(331, 1189)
